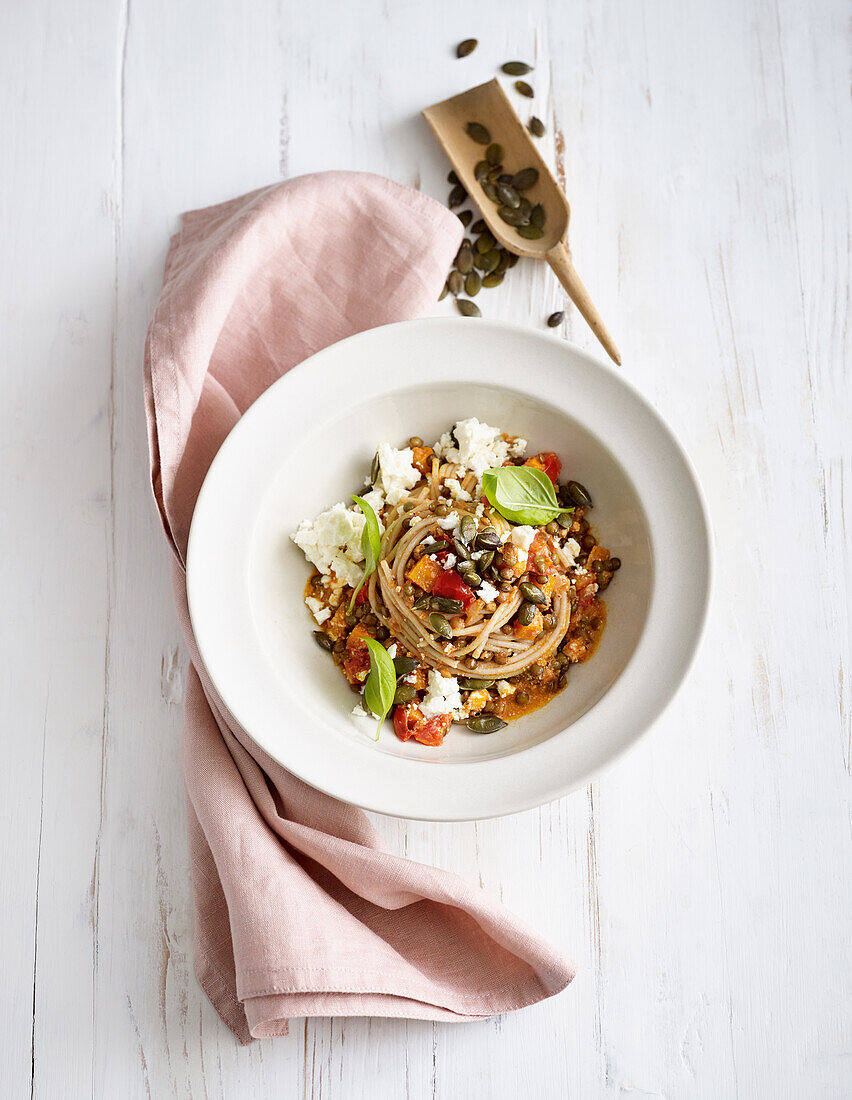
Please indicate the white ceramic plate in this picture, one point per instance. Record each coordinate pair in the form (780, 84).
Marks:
(308, 442)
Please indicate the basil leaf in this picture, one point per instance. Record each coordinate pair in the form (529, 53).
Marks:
(380, 687)
(371, 544)
(522, 494)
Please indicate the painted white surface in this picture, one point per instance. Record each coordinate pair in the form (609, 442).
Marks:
(703, 885)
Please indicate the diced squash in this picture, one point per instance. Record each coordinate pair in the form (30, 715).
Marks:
(533, 630)
(597, 553)
(422, 459)
(425, 573)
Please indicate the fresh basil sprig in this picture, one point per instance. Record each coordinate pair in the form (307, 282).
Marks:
(522, 494)
(371, 544)
(380, 687)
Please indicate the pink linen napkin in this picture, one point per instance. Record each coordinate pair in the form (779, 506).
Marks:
(298, 909)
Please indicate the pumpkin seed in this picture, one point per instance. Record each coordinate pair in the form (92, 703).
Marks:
(526, 615)
(440, 625)
(579, 494)
(464, 259)
(513, 217)
(455, 281)
(526, 207)
(404, 693)
(532, 593)
(488, 539)
(565, 519)
(489, 261)
(466, 47)
(480, 171)
(443, 603)
(444, 291)
(478, 133)
(478, 226)
(473, 579)
(374, 469)
(457, 196)
(513, 258)
(470, 683)
(466, 217)
(530, 232)
(537, 215)
(492, 279)
(556, 318)
(495, 173)
(516, 68)
(472, 284)
(494, 153)
(490, 190)
(508, 195)
(485, 723)
(468, 528)
(452, 177)
(524, 180)
(504, 263)
(422, 604)
(486, 559)
(504, 177)
(523, 88)
(323, 640)
(462, 551)
(467, 308)
(404, 665)
(484, 242)
(536, 127)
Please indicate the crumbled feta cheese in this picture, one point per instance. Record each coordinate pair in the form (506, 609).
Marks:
(448, 522)
(375, 498)
(477, 554)
(411, 678)
(359, 711)
(332, 542)
(442, 695)
(391, 650)
(456, 491)
(522, 537)
(396, 473)
(504, 688)
(573, 547)
(487, 592)
(480, 510)
(477, 446)
(450, 561)
(319, 612)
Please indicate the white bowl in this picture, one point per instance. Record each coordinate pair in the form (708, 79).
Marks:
(308, 442)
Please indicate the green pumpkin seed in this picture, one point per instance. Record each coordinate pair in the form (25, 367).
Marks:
(473, 579)
(537, 215)
(494, 153)
(478, 226)
(461, 550)
(565, 519)
(472, 284)
(467, 308)
(470, 683)
(445, 604)
(404, 693)
(536, 127)
(532, 593)
(524, 180)
(452, 177)
(468, 528)
(486, 559)
(526, 615)
(508, 195)
(516, 68)
(465, 217)
(530, 232)
(495, 173)
(480, 171)
(485, 723)
(464, 259)
(440, 625)
(422, 603)
(478, 133)
(374, 469)
(444, 291)
(488, 539)
(579, 494)
(555, 318)
(492, 279)
(455, 281)
(323, 640)
(404, 665)
(523, 88)
(489, 261)
(466, 47)
(513, 217)
(490, 190)
(457, 196)
(484, 242)
(513, 258)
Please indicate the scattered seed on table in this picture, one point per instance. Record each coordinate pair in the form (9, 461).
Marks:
(467, 308)
(466, 47)
(556, 318)
(452, 177)
(457, 196)
(536, 127)
(466, 217)
(516, 68)
(522, 88)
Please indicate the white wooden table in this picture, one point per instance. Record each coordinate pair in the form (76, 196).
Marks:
(703, 885)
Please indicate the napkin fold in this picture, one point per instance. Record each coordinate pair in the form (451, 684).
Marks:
(299, 911)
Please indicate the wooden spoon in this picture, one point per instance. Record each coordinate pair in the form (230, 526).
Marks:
(489, 105)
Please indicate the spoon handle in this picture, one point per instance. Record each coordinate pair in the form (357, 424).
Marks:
(559, 259)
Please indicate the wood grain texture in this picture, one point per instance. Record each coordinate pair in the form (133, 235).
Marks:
(703, 884)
